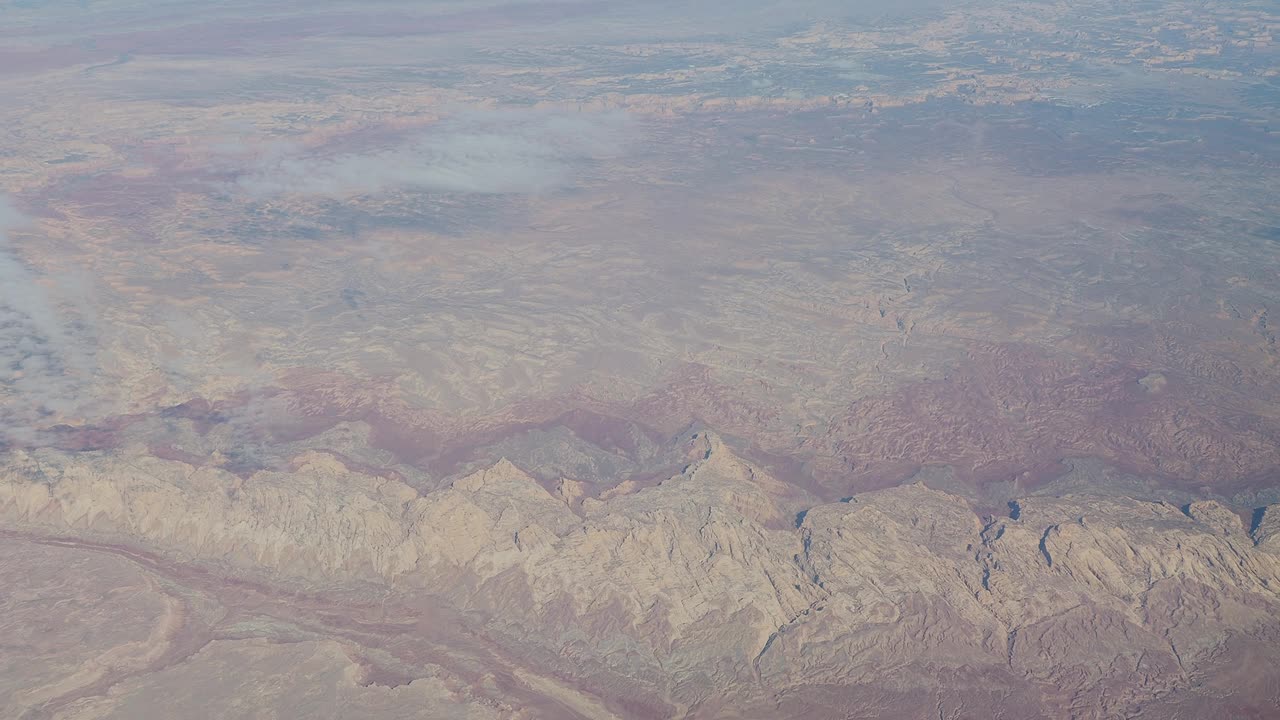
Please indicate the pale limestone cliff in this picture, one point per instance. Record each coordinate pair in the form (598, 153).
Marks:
(710, 590)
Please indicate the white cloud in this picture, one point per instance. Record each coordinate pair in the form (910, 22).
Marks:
(42, 365)
(479, 152)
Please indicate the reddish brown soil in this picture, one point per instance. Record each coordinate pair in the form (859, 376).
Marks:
(1011, 413)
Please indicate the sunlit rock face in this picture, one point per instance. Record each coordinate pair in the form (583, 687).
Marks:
(633, 360)
(693, 595)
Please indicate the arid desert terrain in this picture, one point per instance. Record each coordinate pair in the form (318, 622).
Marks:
(618, 360)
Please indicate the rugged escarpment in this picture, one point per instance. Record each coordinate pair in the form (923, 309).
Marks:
(723, 591)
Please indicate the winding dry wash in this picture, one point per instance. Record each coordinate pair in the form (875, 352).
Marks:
(624, 360)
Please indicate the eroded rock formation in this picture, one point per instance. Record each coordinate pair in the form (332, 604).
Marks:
(723, 591)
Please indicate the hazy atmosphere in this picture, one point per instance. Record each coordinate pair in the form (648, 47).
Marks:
(614, 360)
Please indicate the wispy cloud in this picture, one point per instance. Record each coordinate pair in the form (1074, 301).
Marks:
(42, 365)
(517, 151)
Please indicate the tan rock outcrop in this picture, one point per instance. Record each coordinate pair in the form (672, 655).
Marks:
(710, 590)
